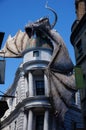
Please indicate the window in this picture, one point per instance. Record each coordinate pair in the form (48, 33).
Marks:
(84, 119)
(79, 47)
(73, 125)
(15, 125)
(39, 122)
(35, 53)
(10, 127)
(11, 101)
(73, 98)
(16, 95)
(39, 87)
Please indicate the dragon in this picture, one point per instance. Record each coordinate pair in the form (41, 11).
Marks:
(60, 69)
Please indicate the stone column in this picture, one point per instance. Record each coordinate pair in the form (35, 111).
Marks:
(30, 79)
(46, 85)
(30, 120)
(77, 99)
(46, 120)
(25, 122)
(26, 84)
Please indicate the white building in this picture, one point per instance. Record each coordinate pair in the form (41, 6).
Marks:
(32, 109)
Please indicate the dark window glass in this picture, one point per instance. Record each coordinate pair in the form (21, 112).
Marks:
(39, 122)
(73, 124)
(79, 47)
(84, 119)
(35, 53)
(15, 125)
(40, 87)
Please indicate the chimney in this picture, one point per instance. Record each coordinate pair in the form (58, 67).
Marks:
(80, 6)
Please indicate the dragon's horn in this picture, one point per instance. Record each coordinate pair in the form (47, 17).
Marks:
(53, 24)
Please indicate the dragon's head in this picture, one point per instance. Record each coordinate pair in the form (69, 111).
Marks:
(40, 24)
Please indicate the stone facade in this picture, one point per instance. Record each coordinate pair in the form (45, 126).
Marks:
(78, 40)
(32, 109)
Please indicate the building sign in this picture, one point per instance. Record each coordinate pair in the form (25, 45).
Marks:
(2, 71)
(79, 77)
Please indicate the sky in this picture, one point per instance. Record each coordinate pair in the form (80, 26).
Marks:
(15, 14)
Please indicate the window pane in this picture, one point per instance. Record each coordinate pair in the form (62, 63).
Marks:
(35, 53)
(39, 122)
(40, 87)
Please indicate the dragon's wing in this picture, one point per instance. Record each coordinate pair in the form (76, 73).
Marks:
(61, 89)
(14, 46)
(61, 60)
